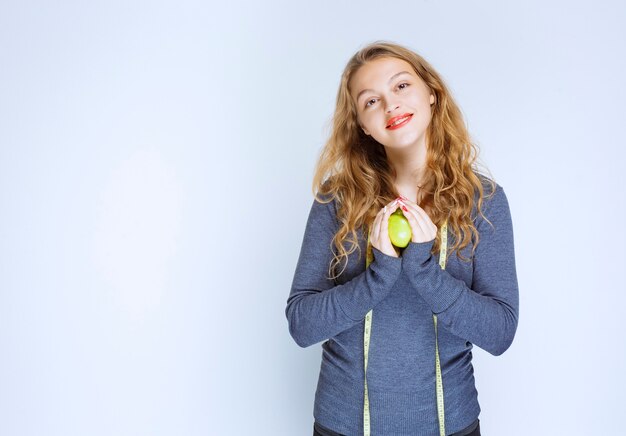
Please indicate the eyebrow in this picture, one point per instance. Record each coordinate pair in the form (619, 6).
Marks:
(390, 80)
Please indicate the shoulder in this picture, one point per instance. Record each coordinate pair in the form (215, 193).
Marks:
(325, 202)
(495, 206)
(493, 192)
(495, 198)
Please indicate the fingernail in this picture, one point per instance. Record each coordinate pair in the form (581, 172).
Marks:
(404, 208)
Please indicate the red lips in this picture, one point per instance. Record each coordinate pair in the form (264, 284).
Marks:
(404, 117)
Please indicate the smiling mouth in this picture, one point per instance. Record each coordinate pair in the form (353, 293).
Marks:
(399, 121)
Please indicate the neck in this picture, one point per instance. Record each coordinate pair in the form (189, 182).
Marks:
(409, 165)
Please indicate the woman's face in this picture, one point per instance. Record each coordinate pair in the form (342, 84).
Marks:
(393, 103)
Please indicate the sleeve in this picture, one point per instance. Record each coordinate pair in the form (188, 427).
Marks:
(487, 314)
(317, 309)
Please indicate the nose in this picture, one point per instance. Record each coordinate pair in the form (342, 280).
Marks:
(392, 107)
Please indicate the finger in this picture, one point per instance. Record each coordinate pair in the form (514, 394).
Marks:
(374, 231)
(429, 224)
(417, 229)
(421, 216)
(377, 225)
(384, 225)
(412, 214)
(411, 204)
(383, 210)
(422, 227)
(393, 202)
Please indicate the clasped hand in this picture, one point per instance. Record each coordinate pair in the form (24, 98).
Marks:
(422, 227)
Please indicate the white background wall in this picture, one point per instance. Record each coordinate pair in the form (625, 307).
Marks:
(155, 170)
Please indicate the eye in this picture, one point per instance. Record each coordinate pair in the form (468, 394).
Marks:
(367, 104)
(403, 85)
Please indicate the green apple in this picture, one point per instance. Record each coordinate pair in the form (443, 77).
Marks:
(399, 229)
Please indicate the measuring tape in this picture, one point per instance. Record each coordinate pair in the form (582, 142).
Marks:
(368, 330)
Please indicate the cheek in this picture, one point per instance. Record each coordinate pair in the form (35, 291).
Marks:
(366, 120)
(421, 102)
(428, 116)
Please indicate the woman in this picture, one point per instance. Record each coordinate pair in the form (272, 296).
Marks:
(399, 325)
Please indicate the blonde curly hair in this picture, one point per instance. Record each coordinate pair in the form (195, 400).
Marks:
(353, 168)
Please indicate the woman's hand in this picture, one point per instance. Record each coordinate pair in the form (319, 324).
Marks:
(422, 227)
(379, 232)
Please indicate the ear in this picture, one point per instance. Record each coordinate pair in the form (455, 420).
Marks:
(432, 99)
(364, 129)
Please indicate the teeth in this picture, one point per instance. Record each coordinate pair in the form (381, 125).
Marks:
(398, 121)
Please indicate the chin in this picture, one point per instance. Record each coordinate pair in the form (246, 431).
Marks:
(411, 142)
